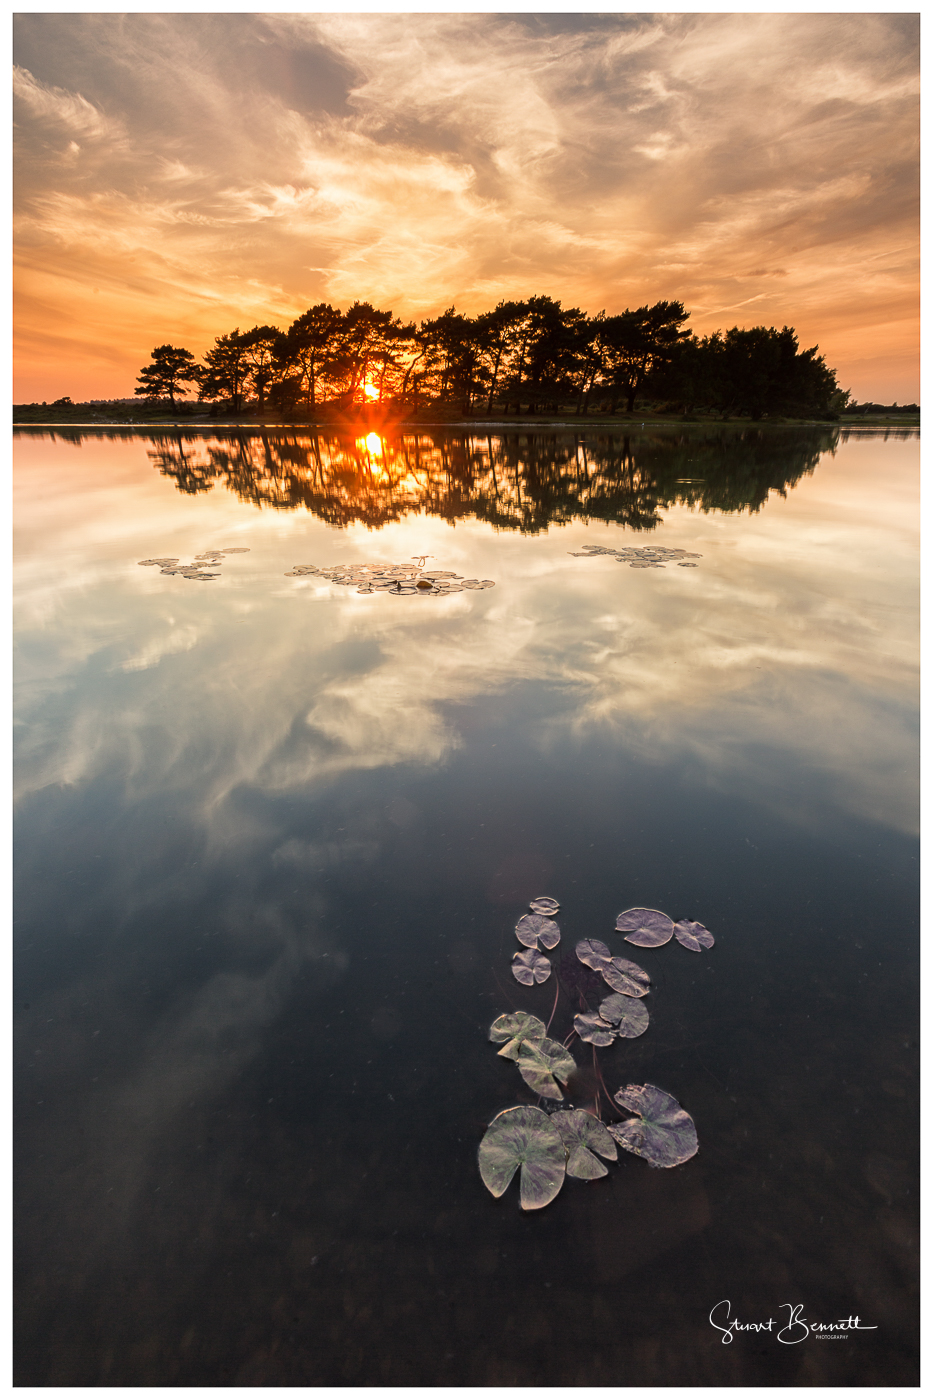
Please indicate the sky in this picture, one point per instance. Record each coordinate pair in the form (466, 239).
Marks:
(179, 175)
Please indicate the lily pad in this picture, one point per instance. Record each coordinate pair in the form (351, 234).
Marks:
(626, 977)
(164, 562)
(523, 1137)
(593, 1029)
(537, 932)
(237, 549)
(662, 1132)
(545, 905)
(646, 928)
(693, 936)
(593, 953)
(629, 1018)
(541, 1063)
(515, 1028)
(582, 1135)
(530, 967)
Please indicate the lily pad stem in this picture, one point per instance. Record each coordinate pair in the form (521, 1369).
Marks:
(553, 1008)
(609, 1098)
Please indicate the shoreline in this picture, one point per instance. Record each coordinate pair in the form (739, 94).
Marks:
(568, 425)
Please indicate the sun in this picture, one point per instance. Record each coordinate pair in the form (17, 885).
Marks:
(370, 390)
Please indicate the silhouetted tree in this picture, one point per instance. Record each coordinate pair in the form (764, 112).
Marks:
(637, 343)
(552, 351)
(498, 334)
(226, 370)
(450, 355)
(261, 347)
(761, 372)
(365, 352)
(534, 353)
(306, 352)
(169, 368)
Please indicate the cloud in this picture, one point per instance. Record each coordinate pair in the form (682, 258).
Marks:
(421, 160)
(60, 107)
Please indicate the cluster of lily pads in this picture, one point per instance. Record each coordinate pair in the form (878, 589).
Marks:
(200, 566)
(651, 556)
(393, 578)
(549, 1144)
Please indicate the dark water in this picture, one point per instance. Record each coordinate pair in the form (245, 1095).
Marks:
(272, 839)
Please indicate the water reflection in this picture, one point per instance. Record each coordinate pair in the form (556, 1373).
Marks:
(522, 481)
(273, 838)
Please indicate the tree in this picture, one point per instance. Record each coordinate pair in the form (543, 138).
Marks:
(226, 370)
(169, 369)
(365, 356)
(762, 373)
(553, 351)
(451, 353)
(261, 350)
(306, 351)
(638, 343)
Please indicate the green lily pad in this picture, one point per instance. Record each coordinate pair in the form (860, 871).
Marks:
(530, 967)
(535, 931)
(647, 928)
(626, 977)
(515, 1028)
(627, 1016)
(693, 936)
(593, 1029)
(662, 1132)
(523, 1137)
(582, 1135)
(541, 1063)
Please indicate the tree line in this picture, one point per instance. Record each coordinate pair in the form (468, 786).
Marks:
(532, 356)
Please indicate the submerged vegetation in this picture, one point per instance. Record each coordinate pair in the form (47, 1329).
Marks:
(549, 1144)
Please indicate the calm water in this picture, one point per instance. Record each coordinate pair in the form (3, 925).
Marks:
(272, 840)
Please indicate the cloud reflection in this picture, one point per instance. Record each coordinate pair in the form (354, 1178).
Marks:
(781, 672)
(795, 617)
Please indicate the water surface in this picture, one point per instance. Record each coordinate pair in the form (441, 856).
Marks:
(272, 840)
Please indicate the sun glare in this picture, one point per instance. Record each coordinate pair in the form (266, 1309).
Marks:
(374, 444)
(370, 390)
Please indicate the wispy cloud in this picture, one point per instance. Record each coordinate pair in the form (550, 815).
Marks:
(59, 107)
(422, 160)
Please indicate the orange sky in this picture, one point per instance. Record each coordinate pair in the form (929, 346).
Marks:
(179, 175)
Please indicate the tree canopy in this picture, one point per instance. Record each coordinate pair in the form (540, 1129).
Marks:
(532, 356)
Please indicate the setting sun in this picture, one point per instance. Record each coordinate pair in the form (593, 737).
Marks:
(370, 390)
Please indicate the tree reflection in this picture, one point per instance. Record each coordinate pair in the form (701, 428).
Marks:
(522, 481)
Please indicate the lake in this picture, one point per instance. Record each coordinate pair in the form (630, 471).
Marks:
(272, 839)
